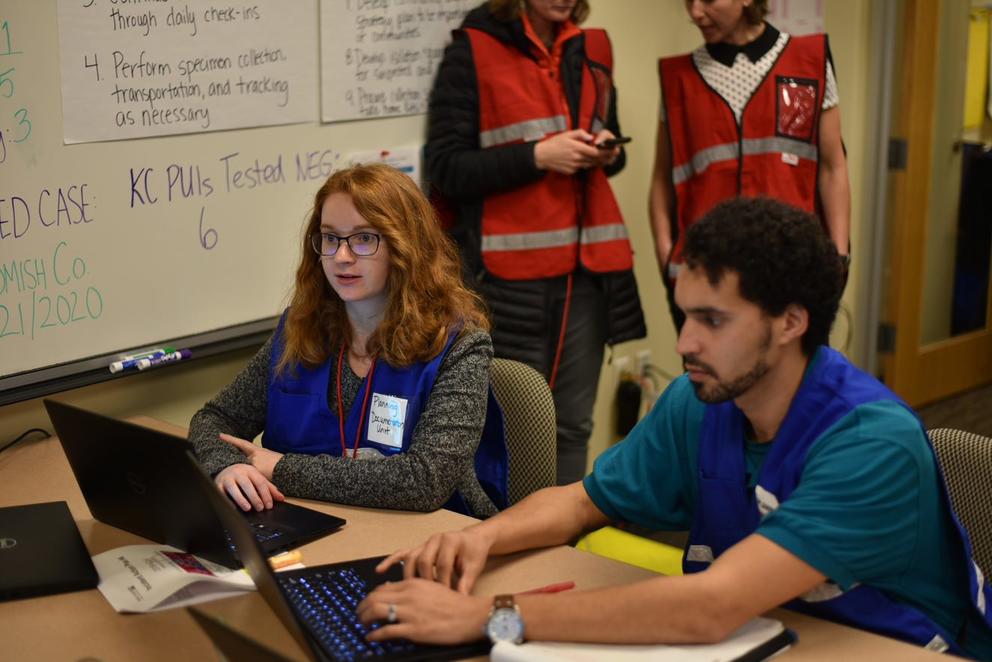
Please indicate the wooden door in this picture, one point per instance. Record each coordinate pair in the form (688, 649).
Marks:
(928, 362)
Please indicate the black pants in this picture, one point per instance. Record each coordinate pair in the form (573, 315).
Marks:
(526, 323)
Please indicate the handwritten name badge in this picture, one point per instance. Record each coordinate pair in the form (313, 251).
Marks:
(387, 420)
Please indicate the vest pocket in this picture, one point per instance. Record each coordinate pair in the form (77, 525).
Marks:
(796, 107)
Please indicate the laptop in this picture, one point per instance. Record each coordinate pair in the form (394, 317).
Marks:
(315, 604)
(137, 479)
(41, 552)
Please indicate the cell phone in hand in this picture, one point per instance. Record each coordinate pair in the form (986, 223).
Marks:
(610, 143)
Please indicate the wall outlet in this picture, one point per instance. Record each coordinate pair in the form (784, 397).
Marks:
(643, 359)
(621, 365)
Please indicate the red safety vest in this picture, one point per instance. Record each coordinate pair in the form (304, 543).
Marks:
(542, 229)
(773, 152)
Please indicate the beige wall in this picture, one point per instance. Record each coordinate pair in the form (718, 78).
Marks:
(642, 31)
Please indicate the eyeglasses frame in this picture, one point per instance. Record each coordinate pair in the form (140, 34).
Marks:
(317, 237)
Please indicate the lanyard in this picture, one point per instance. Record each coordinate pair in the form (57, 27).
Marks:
(365, 404)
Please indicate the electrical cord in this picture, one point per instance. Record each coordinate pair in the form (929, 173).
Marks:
(25, 434)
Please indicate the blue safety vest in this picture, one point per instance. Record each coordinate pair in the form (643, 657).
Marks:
(299, 419)
(727, 513)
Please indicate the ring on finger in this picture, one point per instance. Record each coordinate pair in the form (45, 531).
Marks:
(391, 616)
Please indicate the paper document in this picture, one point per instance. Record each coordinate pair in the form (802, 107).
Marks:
(748, 643)
(142, 578)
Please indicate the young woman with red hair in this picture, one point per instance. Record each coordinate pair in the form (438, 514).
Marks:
(374, 388)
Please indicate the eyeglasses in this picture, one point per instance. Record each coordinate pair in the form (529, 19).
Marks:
(362, 244)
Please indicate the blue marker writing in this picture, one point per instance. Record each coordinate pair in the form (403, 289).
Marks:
(131, 361)
(143, 364)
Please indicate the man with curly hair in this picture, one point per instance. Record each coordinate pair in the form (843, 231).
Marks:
(804, 482)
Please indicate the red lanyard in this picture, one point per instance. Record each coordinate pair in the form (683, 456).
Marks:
(365, 404)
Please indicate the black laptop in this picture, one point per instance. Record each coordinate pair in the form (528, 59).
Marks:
(316, 604)
(41, 552)
(138, 479)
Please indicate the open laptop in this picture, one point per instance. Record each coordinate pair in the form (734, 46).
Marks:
(138, 479)
(41, 552)
(315, 604)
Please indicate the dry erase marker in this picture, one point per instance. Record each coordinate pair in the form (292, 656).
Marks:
(131, 361)
(165, 358)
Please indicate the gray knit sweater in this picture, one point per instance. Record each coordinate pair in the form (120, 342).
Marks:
(439, 461)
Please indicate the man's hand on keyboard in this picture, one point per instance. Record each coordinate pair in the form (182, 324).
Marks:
(454, 558)
(425, 612)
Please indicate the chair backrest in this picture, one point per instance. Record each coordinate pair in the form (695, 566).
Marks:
(966, 460)
(531, 431)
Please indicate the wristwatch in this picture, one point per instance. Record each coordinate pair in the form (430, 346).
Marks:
(505, 622)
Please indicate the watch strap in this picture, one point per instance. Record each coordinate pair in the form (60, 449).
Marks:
(505, 601)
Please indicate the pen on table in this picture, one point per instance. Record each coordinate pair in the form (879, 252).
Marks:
(131, 361)
(178, 355)
(550, 588)
(285, 559)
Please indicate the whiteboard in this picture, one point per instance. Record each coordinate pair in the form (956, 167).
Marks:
(107, 247)
(133, 71)
(379, 57)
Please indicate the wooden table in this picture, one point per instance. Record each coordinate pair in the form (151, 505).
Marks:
(83, 627)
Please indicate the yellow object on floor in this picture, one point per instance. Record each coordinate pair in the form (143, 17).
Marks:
(633, 549)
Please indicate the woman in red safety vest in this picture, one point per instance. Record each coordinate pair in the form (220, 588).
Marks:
(521, 111)
(753, 112)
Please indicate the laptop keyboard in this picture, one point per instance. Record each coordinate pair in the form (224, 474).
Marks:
(326, 602)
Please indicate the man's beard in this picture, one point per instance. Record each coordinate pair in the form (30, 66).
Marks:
(723, 391)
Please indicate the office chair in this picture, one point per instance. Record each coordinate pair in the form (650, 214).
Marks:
(966, 460)
(531, 431)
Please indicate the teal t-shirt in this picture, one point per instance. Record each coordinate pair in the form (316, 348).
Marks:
(868, 508)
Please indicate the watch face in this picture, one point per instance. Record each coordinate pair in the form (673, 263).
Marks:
(505, 625)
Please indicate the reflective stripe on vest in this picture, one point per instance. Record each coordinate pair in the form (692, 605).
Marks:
(554, 238)
(699, 554)
(980, 588)
(828, 590)
(937, 644)
(526, 131)
(702, 159)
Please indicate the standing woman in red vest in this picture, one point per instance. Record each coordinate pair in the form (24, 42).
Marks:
(520, 113)
(752, 112)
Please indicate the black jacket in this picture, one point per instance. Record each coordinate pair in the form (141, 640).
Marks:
(464, 174)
